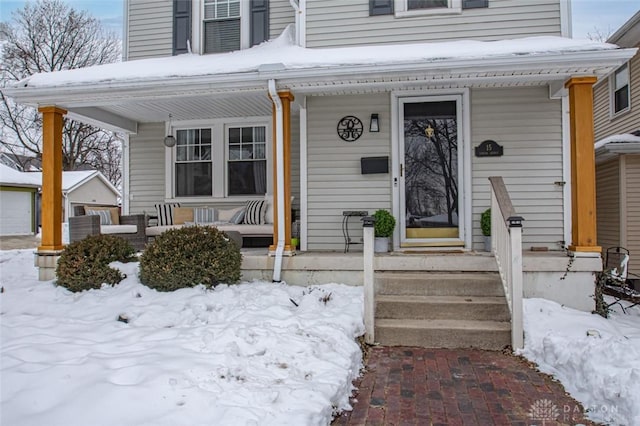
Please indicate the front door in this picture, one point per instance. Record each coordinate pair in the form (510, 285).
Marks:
(430, 192)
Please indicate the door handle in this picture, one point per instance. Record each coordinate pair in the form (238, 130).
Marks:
(401, 169)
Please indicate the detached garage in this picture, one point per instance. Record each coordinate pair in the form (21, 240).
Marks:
(18, 193)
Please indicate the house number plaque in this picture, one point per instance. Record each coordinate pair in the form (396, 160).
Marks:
(489, 148)
(349, 128)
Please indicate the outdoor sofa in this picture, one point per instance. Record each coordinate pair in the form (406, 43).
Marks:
(107, 220)
(254, 220)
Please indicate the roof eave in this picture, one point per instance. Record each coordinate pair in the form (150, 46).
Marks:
(599, 62)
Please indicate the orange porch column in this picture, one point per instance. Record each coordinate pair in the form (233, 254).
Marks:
(286, 98)
(52, 122)
(583, 165)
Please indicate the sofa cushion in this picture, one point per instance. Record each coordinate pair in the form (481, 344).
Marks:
(255, 212)
(268, 216)
(154, 231)
(105, 216)
(225, 215)
(202, 215)
(118, 229)
(114, 211)
(238, 217)
(165, 213)
(182, 215)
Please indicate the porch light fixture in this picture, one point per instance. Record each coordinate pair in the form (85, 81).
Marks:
(374, 125)
(169, 140)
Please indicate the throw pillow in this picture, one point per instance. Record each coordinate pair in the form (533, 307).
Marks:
(165, 213)
(115, 212)
(238, 217)
(255, 212)
(205, 214)
(182, 215)
(268, 217)
(105, 216)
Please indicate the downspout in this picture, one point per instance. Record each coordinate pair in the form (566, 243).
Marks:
(296, 8)
(273, 93)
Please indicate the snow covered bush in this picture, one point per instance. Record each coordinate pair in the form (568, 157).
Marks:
(84, 264)
(190, 256)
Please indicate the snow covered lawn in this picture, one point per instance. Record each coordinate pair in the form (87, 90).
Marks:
(596, 359)
(236, 355)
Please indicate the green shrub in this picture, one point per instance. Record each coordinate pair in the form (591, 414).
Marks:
(485, 222)
(84, 264)
(385, 223)
(190, 256)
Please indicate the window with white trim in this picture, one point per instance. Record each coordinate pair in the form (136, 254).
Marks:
(620, 90)
(221, 26)
(219, 159)
(193, 163)
(246, 161)
(407, 8)
(426, 4)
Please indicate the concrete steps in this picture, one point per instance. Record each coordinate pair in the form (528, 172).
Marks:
(441, 309)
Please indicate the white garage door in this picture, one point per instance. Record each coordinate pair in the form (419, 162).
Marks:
(15, 213)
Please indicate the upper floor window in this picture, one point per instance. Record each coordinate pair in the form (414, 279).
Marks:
(411, 8)
(221, 26)
(426, 4)
(407, 8)
(215, 26)
(620, 89)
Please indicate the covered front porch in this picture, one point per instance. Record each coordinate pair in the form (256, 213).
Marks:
(533, 98)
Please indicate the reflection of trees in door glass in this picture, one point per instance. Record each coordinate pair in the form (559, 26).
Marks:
(431, 165)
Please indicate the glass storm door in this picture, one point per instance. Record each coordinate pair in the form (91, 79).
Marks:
(429, 172)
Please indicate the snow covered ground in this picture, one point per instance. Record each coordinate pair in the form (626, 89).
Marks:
(596, 359)
(236, 355)
(245, 354)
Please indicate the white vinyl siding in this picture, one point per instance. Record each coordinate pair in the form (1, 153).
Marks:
(150, 32)
(334, 179)
(147, 167)
(608, 203)
(347, 23)
(93, 191)
(632, 207)
(528, 126)
(625, 122)
(281, 14)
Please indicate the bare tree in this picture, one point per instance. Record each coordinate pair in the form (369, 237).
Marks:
(45, 36)
(599, 34)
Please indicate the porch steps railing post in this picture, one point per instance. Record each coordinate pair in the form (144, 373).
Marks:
(506, 245)
(368, 280)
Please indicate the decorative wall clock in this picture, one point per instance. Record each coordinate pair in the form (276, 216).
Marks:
(349, 128)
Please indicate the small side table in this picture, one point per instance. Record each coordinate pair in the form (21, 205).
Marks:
(346, 215)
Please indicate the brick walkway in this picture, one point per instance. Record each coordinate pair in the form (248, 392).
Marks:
(416, 386)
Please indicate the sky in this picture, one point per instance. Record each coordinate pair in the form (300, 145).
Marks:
(588, 16)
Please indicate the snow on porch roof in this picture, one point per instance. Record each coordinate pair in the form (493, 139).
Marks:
(281, 54)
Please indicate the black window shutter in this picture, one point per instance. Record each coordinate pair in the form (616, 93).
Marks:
(181, 26)
(380, 7)
(259, 21)
(474, 4)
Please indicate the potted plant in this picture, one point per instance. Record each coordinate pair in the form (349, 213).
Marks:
(485, 226)
(383, 228)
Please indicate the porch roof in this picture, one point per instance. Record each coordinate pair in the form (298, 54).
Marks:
(611, 146)
(121, 95)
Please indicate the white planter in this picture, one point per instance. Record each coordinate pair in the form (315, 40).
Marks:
(381, 244)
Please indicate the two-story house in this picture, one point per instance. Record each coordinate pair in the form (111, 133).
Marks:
(617, 135)
(403, 105)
